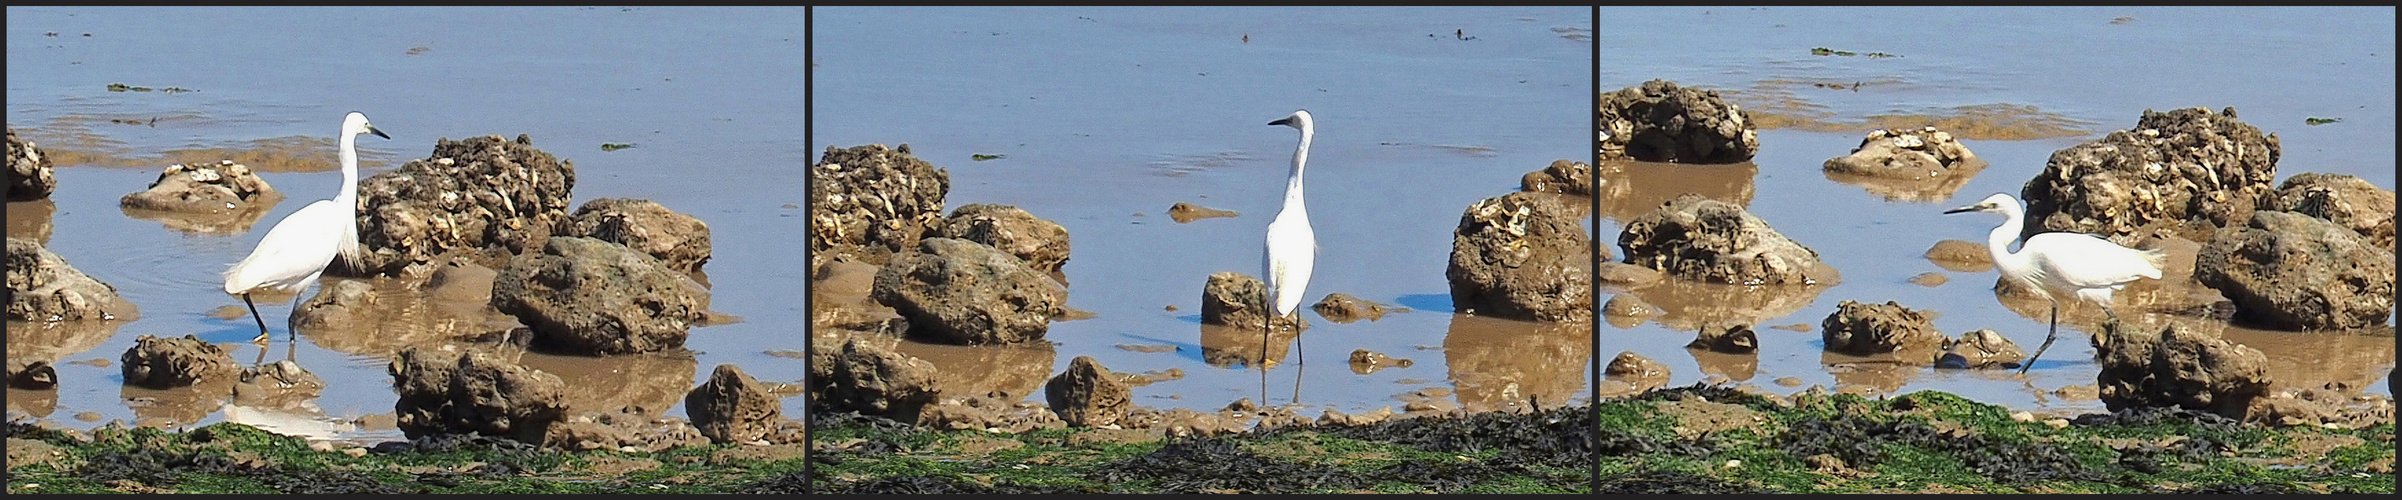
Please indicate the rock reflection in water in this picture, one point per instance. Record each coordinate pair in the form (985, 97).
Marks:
(54, 342)
(1929, 190)
(1498, 364)
(647, 384)
(1687, 305)
(181, 406)
(1881, 374)
(222, 223)
(37, 404)
(1230, 347)
(305, 420)
(2347, 361)
(1735, 367)
(1631, 188)
(31, 220)
(379, 316)
(1009, 372)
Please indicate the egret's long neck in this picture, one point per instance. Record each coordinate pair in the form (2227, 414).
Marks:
(349, 197)
(1998, 242)
(1292, 187)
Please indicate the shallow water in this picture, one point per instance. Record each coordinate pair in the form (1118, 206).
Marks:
(2062, 67)
(709, 97)
(1106, 117)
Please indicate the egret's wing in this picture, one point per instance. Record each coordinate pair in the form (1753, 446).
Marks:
(2086, 261)
(298, 246)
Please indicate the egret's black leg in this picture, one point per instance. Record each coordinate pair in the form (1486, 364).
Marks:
(254, 314)
(2047, 340)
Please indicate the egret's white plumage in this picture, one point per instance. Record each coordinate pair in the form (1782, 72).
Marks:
(298, 248)
(1291, 247)
(2060, 265)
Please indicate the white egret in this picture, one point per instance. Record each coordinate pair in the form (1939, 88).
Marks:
(2059, 264)
(298, 248)
(1291, 248)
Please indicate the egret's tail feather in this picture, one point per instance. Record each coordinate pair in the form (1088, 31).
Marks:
(2158, 258)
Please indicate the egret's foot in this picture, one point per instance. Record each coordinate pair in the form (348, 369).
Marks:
(262, 338)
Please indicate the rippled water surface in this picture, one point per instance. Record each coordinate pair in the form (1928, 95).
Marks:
(710, 98)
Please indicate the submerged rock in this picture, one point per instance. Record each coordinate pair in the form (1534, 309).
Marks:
(43, 288)
(474, 392)
(1730, 339)
(167, 363)
(962, 292)
(733, 408)
(1562, 177)
(30, 174)
(1698, 238)
(1522, 256)
(871, 203)
(1344, 308)
(1980, 349)
(37, 375)
(588, 296)
(1237, 300)
(1907, 154)
(1364, 361)
(868, 377)
(282, 384)
(220, 188)
(477, 193)
(2179, 366)
(1660, 121)
(1042, 244)
(1088, 395)
(2186, 170)
(2289, 270)
(1641, 372)
(681, 241)
(2346, 200)
(1186, 212)
(1871, 329)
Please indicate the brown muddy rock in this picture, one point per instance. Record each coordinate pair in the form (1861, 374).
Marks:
(1364, 361)
(681, 241)
(1344, 308)
(1871, 329)
(1042, 244)
(962, 292)
(30, 175)
(1187, 212)
(1237, 300)
(221, 188)
(1701, 239)
(1522, 256)
(1635, 369)
(871, 203)
(282, 384)
(1227, 347)
(2179, 366)
(1088, 395)
(481, 192)
(1332, 418)
(586, 296)
(2343, 199)
(1960, 255)
(1009, 371)
(476, 392)
(1730, 339)
(33, 376)
(2188, 171)
(990, 414)
(864, 375)
(167, 363)
(624, 432)
(733, 408)
(1980, 349)
(2295, 271)
(1629, 309)
(42, 287)
(339, 303)
(1562, 177)
(1660, 121)
(1628, 275)
(1907, 154)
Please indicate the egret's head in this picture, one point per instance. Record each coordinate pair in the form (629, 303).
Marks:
(356, 124)
(1299, 120)
(1997, 203)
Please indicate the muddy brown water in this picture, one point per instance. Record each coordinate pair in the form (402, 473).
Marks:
(709, 97)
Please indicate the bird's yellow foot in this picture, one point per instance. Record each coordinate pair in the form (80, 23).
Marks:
(262, 339)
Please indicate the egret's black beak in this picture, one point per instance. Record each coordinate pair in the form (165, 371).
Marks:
(1970, 208)
(378, 133)
(1282, 121)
